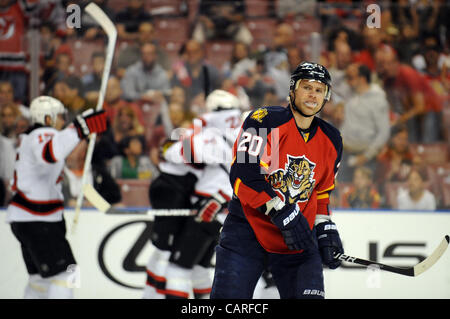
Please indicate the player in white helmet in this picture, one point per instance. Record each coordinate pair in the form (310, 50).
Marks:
(194, 174)
(36, 208)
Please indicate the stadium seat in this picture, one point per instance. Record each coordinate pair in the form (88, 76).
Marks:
(134, 192)
(171, 29)
(434, 153)
(258, 8)
(82, 52)
(218, 52)
(303, 27)
(262, 31)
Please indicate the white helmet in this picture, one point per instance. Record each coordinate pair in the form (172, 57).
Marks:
(43, 106)
(221, 100)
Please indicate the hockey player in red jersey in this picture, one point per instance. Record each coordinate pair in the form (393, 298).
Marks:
(283, 170)
(36, 208)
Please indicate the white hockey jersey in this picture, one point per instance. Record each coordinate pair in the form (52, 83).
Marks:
(206, 153)
(37, 177)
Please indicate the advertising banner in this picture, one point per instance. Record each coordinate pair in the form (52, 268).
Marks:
(112, 251)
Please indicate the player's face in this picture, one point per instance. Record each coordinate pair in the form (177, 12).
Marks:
(59, 122)
(309, 96)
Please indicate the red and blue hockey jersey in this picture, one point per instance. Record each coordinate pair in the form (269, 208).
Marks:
(273, 157)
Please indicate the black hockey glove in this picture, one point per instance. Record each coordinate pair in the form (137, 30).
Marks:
(329, 243)
(209, 207)
(293, 226)
(90, 121)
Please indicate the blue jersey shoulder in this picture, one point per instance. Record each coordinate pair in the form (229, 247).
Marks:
(333, 134)
(268, 117)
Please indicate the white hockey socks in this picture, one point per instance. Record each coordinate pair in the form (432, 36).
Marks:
(37, 288)
(156, 268)
(201, 282)
(60, 286)
(178, 282)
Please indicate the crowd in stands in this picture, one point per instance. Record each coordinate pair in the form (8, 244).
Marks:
(390, 85)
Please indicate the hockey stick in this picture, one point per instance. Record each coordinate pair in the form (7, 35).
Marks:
(414, 271)
(108, 27)
(102, 205)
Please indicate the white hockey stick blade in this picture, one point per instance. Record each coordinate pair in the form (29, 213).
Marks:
(97, 13)
(433, 258)
(102, 205)
(410, 271)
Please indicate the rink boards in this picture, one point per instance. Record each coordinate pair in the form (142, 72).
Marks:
(112, 251)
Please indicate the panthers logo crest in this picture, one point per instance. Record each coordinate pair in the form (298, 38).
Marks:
(296, 181)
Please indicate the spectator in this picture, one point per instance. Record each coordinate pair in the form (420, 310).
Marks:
(396, 159)
(7, 97)
(416, 196)
(9, 115)
(365, 127)
(222, 20)
(22, 125)
(240, 62)
(62, 69)
(128, 20)
(435, 70)
(373, 40)
(362, 193)
(294, 56)
(107, 146)
(132, 163)
(92, 81)
(276, 59)
(340, 59)
(97, 176)
(114, 101)
(145, 80)
(178, 95)
(132, 52)
(126, 124)
(69, 92)
(195, 76)
(14, 16)
(259, 85)
(413, 100)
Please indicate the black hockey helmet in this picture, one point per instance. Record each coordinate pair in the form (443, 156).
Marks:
(311, 71)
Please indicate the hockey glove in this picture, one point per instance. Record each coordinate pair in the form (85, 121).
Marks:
(329, 243)
(209, 207)
(90, 121)
(293, 226)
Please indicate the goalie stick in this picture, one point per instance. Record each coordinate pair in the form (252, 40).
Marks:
(414, 271)
(108, 27)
